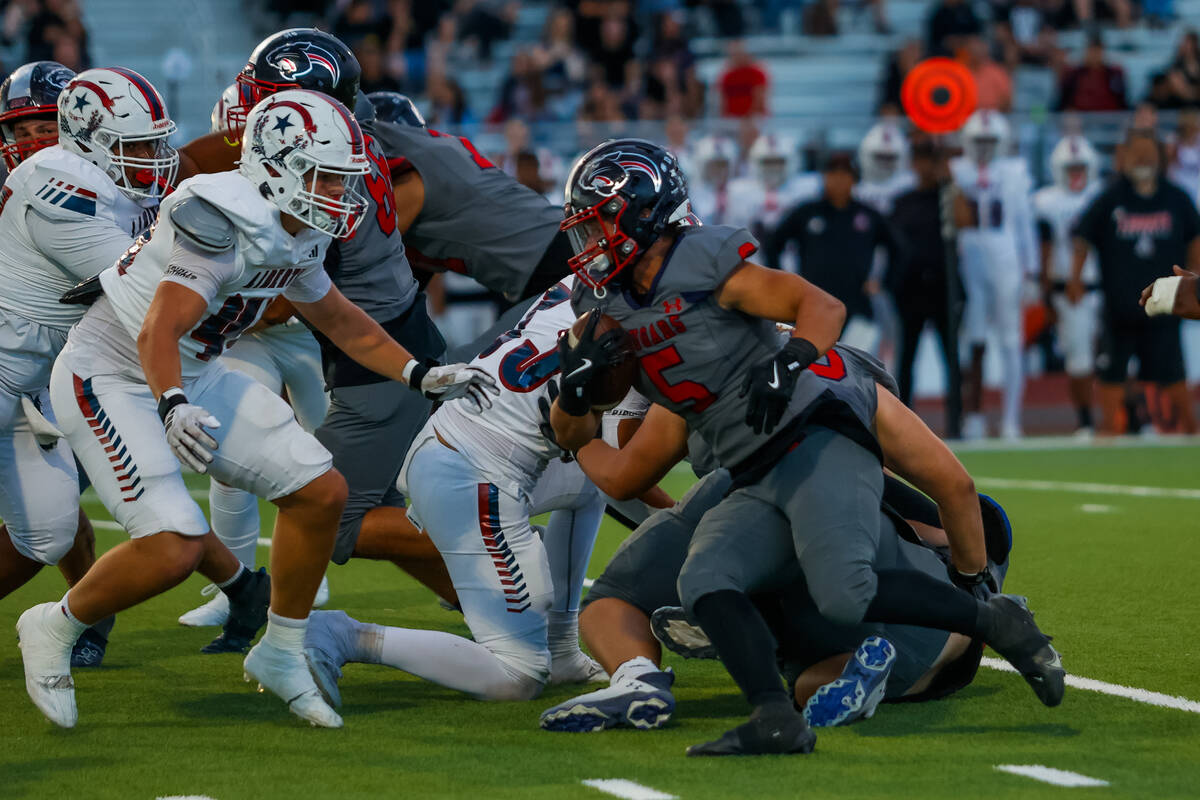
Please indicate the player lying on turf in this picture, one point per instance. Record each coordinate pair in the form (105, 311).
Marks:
(474, 482)
(805, 461)
(140, 391)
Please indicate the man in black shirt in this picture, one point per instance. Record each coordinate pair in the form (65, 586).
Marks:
(1141, 226)
(925, 287)
(837, 236)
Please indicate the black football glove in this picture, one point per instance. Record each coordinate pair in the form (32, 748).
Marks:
(579, 365)
(769, 385)
(982, 584)
(544, 404)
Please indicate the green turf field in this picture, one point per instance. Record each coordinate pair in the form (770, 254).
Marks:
(1112, 575)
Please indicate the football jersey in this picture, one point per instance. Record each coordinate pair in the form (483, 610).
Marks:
(62, 220)
(476, 219)
(759, 208)
(1057, 211)
(694, 355)
(265, 261)
(999, 193)
(882, 194)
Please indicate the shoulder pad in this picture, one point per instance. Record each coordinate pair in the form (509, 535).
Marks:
(203, 224)
(62, 195)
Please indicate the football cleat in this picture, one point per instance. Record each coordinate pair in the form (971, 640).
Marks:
(247, 615)
(286, 674)
(326, 645)
(211, 614)
(322, 593)
(91, 645)
(671, 627)
(577, 668)
(644, 702)
(47, 661)
(779, 730)
(858, 691)
(1017, 638)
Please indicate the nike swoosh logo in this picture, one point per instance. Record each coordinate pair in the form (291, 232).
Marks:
(587, 364)
(774, 382)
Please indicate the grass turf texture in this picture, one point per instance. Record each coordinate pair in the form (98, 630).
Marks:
(1115, 588)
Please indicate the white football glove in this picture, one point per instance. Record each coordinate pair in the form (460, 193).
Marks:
(452, 381)
(1162, 296)
(185, 424)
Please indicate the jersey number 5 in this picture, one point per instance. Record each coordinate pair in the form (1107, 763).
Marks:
(686, 391)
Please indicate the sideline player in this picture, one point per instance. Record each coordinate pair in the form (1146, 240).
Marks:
(147, 348)
(625, 200)
(883, 159)
(715, 158)
(66, 213)
(1075, 167)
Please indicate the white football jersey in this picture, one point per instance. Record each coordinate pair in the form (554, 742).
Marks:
(1060, 210)
(62, 220)
(237, 284)
(711, 203)
(881, 195)
(758, 208)
(1000, 194)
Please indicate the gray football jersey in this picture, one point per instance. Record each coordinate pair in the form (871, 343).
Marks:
(477, 219)
(371, 267)
(694, 355)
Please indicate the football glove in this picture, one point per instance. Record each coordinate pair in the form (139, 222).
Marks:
(185, 425)
(982, 584)
(769, 385)
(544, 404)
(444, 382)
(580, 364)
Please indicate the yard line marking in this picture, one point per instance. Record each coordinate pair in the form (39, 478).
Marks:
(1080, 487)
(1058, 777)
(619, 787)
(1095, 508)
(1114, 689)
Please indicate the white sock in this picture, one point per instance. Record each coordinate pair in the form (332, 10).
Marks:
(632, 668)
(1014, 386)
(63, 625)
(285, 633)
(235, 520)
(453, 662)
(562, 633)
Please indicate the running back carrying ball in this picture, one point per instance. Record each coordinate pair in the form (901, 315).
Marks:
(610, 379)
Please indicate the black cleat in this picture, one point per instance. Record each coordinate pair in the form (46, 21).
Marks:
(779, 730)
(90, 646)
(675, 632)
(1016, 637)
(247, 615)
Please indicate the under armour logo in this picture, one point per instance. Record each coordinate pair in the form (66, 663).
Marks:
(672, 305)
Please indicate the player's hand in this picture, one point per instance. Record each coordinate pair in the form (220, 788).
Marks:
(185, 424)
(1175, 295)
(1075, 290)
(545, 402)
(453, 381)
(982, 584)
(769, 385)
(580, 364)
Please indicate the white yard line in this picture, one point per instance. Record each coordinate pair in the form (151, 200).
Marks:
(1081, 487)
(1057, 777)
(1114, 689)
(1096, 508)
(619, 787)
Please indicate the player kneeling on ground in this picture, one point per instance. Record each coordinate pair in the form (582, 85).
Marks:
(141, 390)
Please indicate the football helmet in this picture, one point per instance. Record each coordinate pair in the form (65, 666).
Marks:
(31, 92)
(218, 121)
(1074, 163)
(297, 58)
(985, 137)
(101, 112)
(620, 197)
(773, 159)
(715, 158)
(396, 108)
(297, 141)
(883, 152)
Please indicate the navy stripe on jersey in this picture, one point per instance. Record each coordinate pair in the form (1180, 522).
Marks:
(65, 195)
(512, 580)
(153, 101)
(119, 458)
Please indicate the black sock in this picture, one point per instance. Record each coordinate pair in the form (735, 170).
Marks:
(234, 588)
(1085, 416)
(744, 643)
(908, 597)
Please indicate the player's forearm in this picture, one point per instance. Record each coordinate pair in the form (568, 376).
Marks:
(159, 353)
(819, 318)
(374, 349)
(615, 472)
(1193, 255)
(572, 432)
(1079, 254)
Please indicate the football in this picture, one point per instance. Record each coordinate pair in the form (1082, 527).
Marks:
(610, 386)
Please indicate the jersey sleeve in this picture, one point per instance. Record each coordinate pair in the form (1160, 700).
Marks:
(81, 246)
(712, 254)
(634, 406)
(202, 272)
(312, 285)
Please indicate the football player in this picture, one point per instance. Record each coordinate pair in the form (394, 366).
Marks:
(147, 350)
(66, 213)
(883, 159)
(396, 108)
(773, 187)
(805, 465)
(715, 158)
(997, 254)
(1075, 167)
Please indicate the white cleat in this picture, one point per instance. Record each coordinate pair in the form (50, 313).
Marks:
(1011, 431)
(577, 668)
(322, 593)
(286, 675)
(47, 666)
(974, 427)
(210, 615)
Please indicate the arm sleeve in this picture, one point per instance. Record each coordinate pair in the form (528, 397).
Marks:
(202, 272)
(80, 248)
(313, 284)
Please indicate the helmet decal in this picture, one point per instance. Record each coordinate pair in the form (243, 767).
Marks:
(80, 101)
(297, 59)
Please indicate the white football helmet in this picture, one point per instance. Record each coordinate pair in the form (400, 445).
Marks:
(102, 112)
(883, 152)
(715, 157)
(228, 99)
(773, 159)
(297, 142)
(985, 137)
(1074, 163)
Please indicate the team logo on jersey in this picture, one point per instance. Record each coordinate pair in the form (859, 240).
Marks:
(816, 225)
(297, 59)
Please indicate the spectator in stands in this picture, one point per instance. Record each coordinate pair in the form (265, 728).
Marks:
(614, 59)
(562, 64)
(672, 71)
(1187, 58)
(485, 22)
(993, 85)
(521, 94)
(1093, 85)
(1084, 12)
(1170, 91)
(821, 18)
(441, 48)
(949, 25)
(529, 172)
(55, 20)
(601, 104)
(743, 83)
(898, 65)
(1024, 34)
(360, 19)
(448, 105)
(371, 58)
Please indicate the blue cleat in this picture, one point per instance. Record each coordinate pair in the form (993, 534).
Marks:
(90, 647)
(858, 691)
(643, 701)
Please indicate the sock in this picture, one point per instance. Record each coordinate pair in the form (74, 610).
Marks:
(562, 633)
(237, 584)
(104, 627)
(63, 625)
(633, 668)
(1014, 384)
(235, 520)
(744, 643)
(1085, 416)
(285, 633)
(568, 540)
(907, 597)
(454, 662)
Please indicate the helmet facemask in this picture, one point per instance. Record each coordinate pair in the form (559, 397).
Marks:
(153, 176)
(15, 150)
(250, 91)
(602, 249)
(297, 192)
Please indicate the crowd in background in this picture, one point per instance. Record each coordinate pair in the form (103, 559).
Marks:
(38, 30)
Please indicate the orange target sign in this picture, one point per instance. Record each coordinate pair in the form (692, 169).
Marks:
(938, 95)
